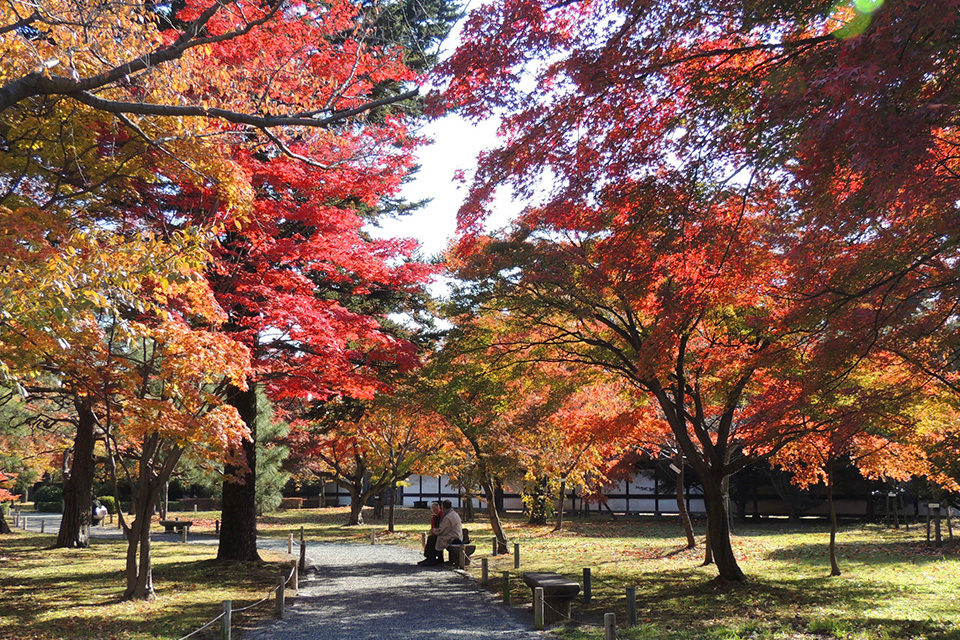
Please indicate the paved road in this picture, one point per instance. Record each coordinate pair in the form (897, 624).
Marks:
(367, 592)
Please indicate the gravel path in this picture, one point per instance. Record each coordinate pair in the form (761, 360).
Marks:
(362, 592)
(371, 592)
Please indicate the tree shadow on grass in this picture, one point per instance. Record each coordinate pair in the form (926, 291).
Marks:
(874, 552)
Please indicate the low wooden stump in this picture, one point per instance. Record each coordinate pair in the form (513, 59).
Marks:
(558, 592)
(176, 526)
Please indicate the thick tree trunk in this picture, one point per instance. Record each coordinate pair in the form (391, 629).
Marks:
(718, 531)
(834, 565)
(356, 507)
(682, 505)
(560, 500)
(78, 486)
(238, 529)
(494, 516)
(4, 527)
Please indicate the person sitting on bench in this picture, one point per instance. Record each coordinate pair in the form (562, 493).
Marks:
(430, 551)
(450, 530)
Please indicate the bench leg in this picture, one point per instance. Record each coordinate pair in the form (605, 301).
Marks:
(556, 609)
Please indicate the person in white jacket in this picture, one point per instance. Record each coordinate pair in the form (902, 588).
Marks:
(450, 530)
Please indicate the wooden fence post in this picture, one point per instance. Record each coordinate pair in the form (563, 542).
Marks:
(183, 533)
(373, 536)
(423, 542)
(290, 545)
(632, 606)
(43, 524)
(506, 588)
(227, 614)
(296, 579)
(281, 595)
(587, 585)
(538, 608)
(303, 557)
(516, 555)
(461, 557)
(484, 571)
(610, 626)
(216, 527)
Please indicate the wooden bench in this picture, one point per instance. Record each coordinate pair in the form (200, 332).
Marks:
(171, 526)
(453, 550)
(558, 592)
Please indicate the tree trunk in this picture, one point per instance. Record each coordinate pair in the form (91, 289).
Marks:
(495, 523)
(560, 500)
(718, 531)
(139, 567)
(4, 527)
(682, 505)
(834, 566)
(390, 506)
(469, 515)
(238, 528)
(538, 506)
(356, 507)
(78, 486)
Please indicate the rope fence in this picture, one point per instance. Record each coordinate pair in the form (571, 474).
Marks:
(228, 610)
(542, 605)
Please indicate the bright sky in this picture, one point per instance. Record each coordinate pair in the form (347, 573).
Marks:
(455, 145)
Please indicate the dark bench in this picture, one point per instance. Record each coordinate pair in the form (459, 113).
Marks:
(171, 526)
(453, 550)
(558, 592)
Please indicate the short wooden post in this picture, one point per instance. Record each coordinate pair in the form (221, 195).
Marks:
(516, 555)
(43, 525)
(290, 545)
(373, 536)
(16, 518)
(195, 508)
(303, 557)
(538, 608)
(227, 614)
(462, 558)
(929, 509)
(301, 534)
(25, 519)
(423, 542)
(484, 571)
(587, 585)
(506, 588)
(632, 606)
(216, 527)
(295, 581)
(609, 626)
(494, 545)
(183, 533)
(281, 595)
(949, 524)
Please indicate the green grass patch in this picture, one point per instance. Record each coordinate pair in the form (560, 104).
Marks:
(67, 594)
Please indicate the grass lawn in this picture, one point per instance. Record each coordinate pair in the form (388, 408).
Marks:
(893, 585)
(67, 594)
